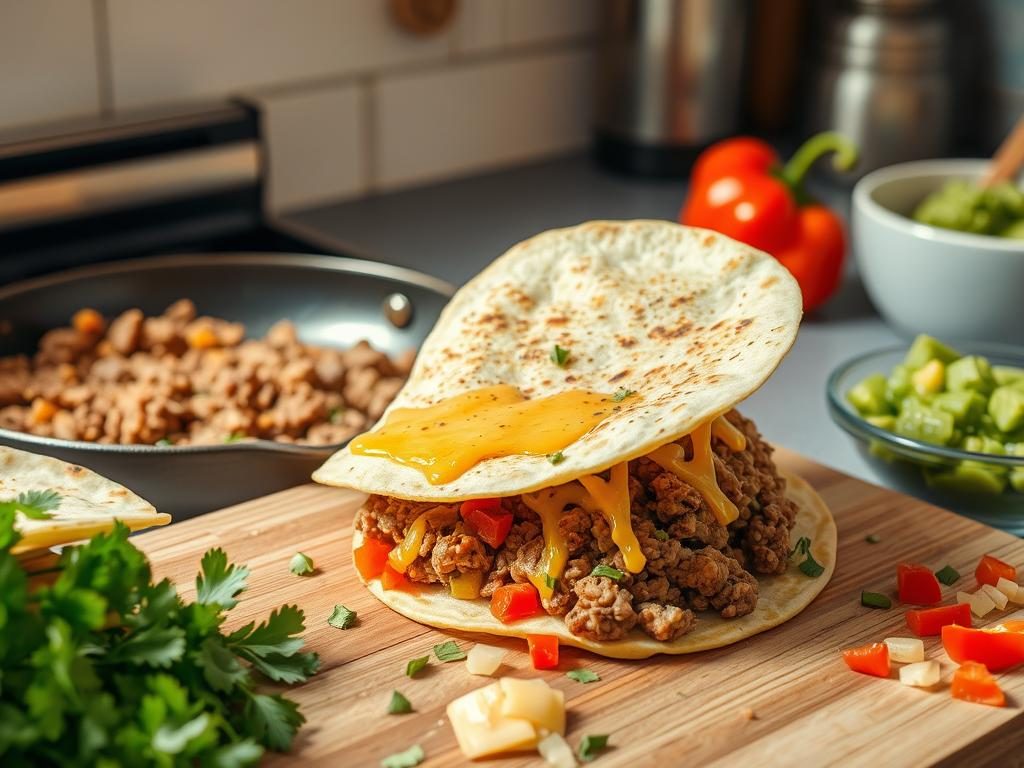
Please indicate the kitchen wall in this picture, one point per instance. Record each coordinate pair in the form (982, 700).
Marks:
(354, 104)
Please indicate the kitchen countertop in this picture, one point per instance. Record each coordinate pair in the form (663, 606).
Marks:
(453, 229)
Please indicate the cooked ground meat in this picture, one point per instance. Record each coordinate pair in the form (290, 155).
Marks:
(181, 379)
(693, 563)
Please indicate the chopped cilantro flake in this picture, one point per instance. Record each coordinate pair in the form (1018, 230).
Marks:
(556, 458)
(399, 705)
(410, 758)
(35, 505)
(301, 564)
(875, 600)
(948, 575)
(415, 666)
(661, 535)
(583, 675)
(622, 394)
(809, 566)
(559, 356)
(449, 651)
(342, 618)
(590, 745)
(607, 570)
(550, 581)
(872, 538)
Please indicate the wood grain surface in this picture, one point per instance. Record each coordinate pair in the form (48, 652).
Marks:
(781, 698)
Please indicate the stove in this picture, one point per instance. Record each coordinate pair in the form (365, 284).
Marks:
(184, 180)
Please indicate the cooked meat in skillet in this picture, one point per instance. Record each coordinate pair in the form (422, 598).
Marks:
(185, 380)
(694, 564)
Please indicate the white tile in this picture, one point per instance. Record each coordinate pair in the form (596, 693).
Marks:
(47, 60)
(195, 48)
(315, 146)
(534, 21)
(480, 26)
(462, 119)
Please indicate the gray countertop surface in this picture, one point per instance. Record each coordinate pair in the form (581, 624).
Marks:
(454, 229)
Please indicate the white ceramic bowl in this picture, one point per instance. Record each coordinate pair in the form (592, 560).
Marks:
(924, 279)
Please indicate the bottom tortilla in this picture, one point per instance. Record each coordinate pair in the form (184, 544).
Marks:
(781, 598)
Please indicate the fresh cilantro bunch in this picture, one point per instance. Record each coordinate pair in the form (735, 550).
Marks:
(102, 667)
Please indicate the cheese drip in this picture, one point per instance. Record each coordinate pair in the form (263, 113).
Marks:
(445, 440)
(548, 504)
(699, 471)
(612, 497)
(402, 556)
(729, 434)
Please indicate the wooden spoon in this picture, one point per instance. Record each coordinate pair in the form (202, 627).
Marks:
(1008, 158)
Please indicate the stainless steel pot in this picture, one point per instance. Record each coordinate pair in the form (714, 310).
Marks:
(332, 301)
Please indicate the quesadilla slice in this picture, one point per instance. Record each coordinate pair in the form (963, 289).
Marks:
(55, 503)
(566, 457)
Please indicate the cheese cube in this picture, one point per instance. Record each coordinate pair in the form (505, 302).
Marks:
(981, 604)
(904, 649)
(1011, 589)
(535, 701)
(995, 596)
(481, 730)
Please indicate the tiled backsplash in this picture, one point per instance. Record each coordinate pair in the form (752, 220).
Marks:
(353, 103)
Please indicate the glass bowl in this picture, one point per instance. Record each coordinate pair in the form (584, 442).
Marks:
(915, 467)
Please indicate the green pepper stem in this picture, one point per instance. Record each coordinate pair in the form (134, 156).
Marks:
(800, 163)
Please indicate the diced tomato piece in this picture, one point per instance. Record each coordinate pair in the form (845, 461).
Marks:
(973, 682)
(543, 651)
(514, 601)
(917, 584)
(371, 557)
(871, 659)
(392, 579)
(996, 648)
(925, 622)
(990, 569)
(487, 519)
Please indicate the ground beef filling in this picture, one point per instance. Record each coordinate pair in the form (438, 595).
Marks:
(693, 562)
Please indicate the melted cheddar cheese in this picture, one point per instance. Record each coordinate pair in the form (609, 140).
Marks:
(444, 440)
(611, 497)
(549, 504)
(402, 556)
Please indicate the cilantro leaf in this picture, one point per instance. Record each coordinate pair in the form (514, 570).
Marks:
(449, 651)
(607, 571)
(410, 758)
(273, 719)
(399, 705)
(809, 567)
(415, 666)
(342, 618)
(948, 575)
(219, 582)
(275, 635)
(38, 504)
(301, 564)
(556, 458)
(583, 675)
(559, 356)
(622, 394)
(590, 745)
(154, 646)
(220, 666)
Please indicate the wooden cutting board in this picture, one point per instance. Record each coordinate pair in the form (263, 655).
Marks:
(781, 698)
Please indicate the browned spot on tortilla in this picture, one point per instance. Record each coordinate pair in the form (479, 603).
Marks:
(571, 379)
(709, 240)
(557, 320)
(744, 323)
(661, 332)
(74, 470)
(619, 376)
(625, 341)
(769, 282)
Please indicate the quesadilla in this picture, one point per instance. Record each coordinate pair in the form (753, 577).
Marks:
(55, 503)
(566, 457)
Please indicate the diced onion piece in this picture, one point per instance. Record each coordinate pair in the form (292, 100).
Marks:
(905, 649)
(1009, 588)
(481, 730)
(484, 659)
(982, 604)
(922, 674)
(995, 595)
(556, 751)
(963, 597)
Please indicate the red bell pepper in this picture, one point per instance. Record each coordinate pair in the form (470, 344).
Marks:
(871, 659)
(997, 648)
(991, 568)
(973, 682)
(487, 519)
(371, 557)
(917, 584)
(925, 622)
(512, 602)
(543, 651)
(740, 188)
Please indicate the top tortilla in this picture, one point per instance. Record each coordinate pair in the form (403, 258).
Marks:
(89, 504)
(692, 321)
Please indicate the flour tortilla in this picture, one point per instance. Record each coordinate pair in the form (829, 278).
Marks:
(690, 320)
(781, 598)
(89, 502)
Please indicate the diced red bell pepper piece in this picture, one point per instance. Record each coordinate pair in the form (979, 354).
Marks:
(392, 579)
(512, 602)
(917, 584)
(973, 682)
(871, 659)
(925, 622)
(990, 569)
(543, 651)
(996, 648)
(487, 519)
(371, 557)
